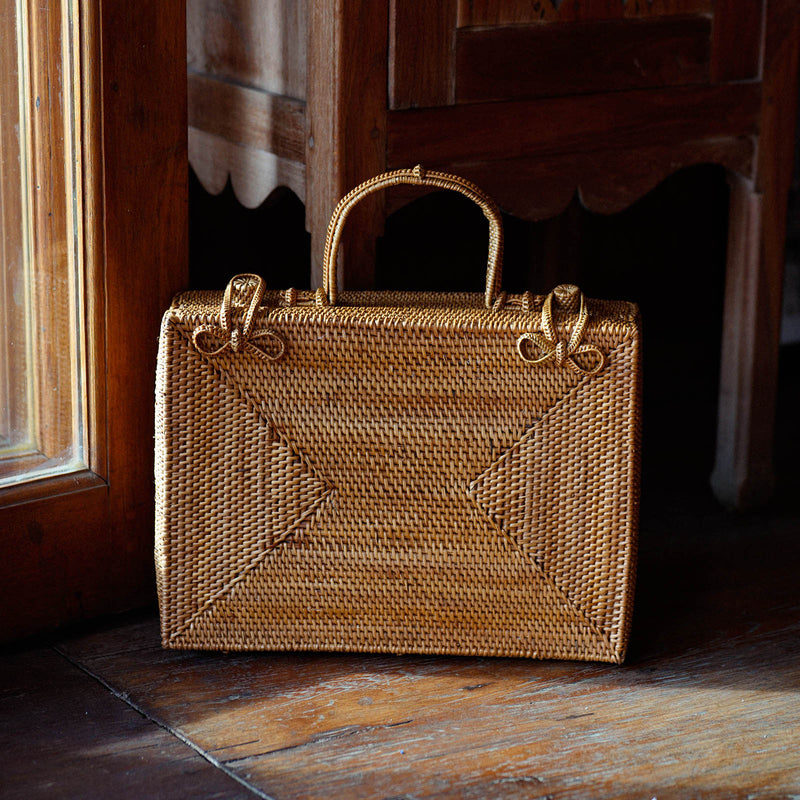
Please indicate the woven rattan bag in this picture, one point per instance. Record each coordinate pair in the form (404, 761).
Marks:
(398, 472)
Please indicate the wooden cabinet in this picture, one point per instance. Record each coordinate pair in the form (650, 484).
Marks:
(535, 100)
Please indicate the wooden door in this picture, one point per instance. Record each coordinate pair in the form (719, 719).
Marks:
(104, 102)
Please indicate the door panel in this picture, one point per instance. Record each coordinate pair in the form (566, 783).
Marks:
(468, 51)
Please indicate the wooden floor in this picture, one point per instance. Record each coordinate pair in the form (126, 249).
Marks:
(707, 705)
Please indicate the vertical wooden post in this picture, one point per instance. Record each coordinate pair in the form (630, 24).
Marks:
(346, 128)
(743, 474)
(145, 238)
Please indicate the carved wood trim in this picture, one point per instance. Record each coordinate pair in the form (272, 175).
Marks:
(253, 172)
(606, 181)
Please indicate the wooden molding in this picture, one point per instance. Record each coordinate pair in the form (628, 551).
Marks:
(510, 12)
(496, 131)
(253, 172)
(606, 181)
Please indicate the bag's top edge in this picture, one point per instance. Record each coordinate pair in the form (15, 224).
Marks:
(203, 305)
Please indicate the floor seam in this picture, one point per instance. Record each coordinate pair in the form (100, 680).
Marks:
(125, 698)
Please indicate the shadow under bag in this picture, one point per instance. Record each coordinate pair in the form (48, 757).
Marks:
(398, 472)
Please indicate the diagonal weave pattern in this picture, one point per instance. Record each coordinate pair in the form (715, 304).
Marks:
(400, 401)
(554, 493)
(249, 495)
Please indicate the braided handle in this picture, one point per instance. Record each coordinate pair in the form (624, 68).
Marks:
(418, 177)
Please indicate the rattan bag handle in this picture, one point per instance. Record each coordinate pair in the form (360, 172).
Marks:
(417, 177)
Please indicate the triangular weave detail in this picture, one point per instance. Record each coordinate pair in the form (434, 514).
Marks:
(543, 495)
(256, 492)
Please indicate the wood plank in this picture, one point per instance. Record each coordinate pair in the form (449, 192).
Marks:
(64, 735)
(494, 131)
(255, 43)
(360, 726)
(578, 58)
(705, 707)
(421, 56)
(505, 12)
(247, 116)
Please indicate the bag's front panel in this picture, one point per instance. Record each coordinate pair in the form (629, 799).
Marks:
(408, 488)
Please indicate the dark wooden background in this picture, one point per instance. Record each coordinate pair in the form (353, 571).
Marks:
(666, 252)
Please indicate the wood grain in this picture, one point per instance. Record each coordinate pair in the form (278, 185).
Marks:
(93, 245)
(743, 474)
(578, 58)
(346, 118)
(146, 176)
(248, 116)
(505, 12)
(254, 138)
(253, 172)
(64, 563)
(494, 131)
(255, 43)
(606, 181)
(64, 735)
(421, 56)
(51, 214)
(736, 40)
(13, 397)
(706, 706)
(83, 543)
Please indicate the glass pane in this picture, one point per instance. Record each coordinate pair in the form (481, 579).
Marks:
(41, 361)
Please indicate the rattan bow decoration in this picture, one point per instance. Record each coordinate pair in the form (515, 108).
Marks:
(550, 347)
(243, 292)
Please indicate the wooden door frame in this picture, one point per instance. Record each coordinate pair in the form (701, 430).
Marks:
(81, 544)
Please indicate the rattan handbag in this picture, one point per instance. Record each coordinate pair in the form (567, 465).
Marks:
(398, 472)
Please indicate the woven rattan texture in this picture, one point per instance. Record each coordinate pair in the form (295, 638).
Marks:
(399, 480)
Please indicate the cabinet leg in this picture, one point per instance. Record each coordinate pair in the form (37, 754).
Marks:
(743, 475)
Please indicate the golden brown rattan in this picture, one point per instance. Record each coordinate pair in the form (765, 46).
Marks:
(396, 471)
